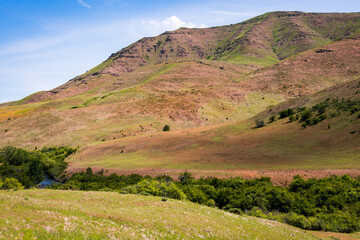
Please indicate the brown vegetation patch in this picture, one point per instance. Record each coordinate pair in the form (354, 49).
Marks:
(278, 177)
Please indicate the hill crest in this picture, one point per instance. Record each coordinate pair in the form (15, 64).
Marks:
(260, 41)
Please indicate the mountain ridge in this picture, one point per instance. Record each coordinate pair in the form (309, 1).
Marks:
(241, 38)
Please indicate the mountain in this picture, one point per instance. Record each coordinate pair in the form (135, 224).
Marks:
(260, 41)
(208, 85)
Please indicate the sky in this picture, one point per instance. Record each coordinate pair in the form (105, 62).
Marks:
(45, 43)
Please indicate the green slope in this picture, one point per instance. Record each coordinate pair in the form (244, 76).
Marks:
(50, 214)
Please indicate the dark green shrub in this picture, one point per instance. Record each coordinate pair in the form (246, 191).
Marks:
(195, 194)
(286, 113)
(306, 115)
(236, 211)
(322, 117)
(315, 121)
(291, 118)
(166, 128)
(308, 122)
(320, 108)
(11, 183)
(354, 109)
(283, 114)
(210, 203)
(156, 188)
(296, 220)
(259, 123)
(272, 119)
(186, 177)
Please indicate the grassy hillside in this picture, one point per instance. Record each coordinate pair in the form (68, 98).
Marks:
(332, 143)
(182, 94)
(257, 42)
(310, 71)
(50, 214)
(207, 85)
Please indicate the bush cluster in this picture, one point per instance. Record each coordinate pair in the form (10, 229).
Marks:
(286, 113)
(158, 187)
(317, 113)
(10, 183)
(331, 204)
(30, 167)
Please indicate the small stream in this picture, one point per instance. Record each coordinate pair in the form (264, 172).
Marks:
(47, 182)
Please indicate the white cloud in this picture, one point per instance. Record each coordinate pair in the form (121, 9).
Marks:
(84, 4)
(172, 23)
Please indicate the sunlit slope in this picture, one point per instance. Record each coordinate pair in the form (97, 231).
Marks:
(182, 94)
(257, 42)
(50, 214)
(311, 71)
(332, 143)
(215, 81)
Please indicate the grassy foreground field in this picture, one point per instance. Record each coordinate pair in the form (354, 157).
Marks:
(50, 214)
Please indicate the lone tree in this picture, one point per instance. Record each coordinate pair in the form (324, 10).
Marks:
(166, 128)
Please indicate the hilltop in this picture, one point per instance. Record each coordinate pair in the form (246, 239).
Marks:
(260, 41)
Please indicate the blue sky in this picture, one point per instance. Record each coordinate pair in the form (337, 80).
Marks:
(44, 43)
